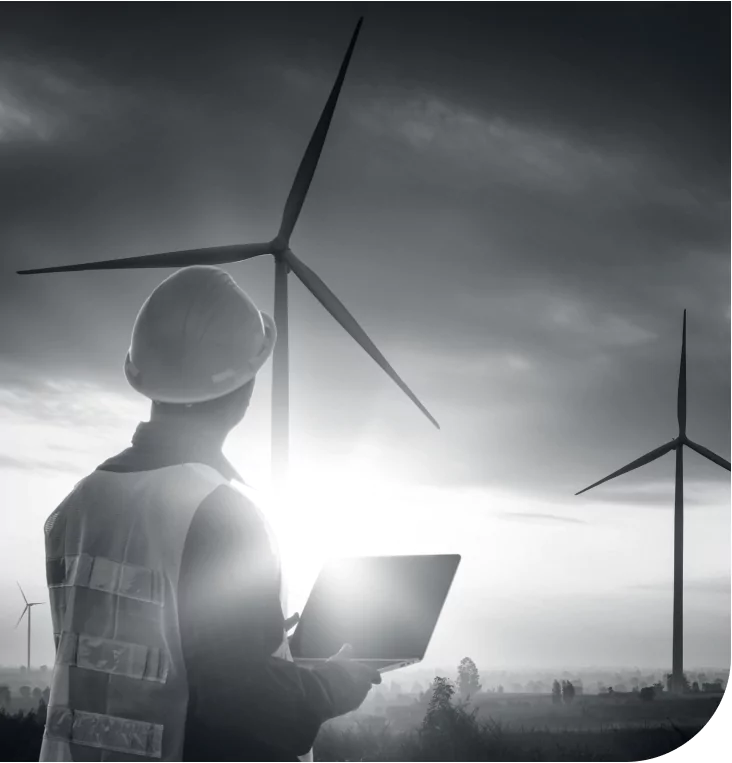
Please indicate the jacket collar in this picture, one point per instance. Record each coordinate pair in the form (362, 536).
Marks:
(161, 443)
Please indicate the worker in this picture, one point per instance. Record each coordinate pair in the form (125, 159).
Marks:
(164, 577)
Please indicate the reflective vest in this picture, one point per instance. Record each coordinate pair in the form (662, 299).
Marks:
(113, 555)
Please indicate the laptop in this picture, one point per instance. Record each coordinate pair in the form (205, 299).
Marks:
(386, 607)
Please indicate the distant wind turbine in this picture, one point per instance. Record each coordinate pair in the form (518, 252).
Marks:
(677, 673)
(285, 261)
(28, 609)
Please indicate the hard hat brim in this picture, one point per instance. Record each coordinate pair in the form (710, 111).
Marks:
(223, 383)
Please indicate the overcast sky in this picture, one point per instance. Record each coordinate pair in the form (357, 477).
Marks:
(516, 202)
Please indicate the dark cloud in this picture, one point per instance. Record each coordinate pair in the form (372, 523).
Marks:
(516, 206)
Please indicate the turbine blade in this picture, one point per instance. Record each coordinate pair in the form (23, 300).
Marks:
(214, 255)
(21, 617)
(642, 461)
(681, 399)
(22, 594)
(702, 451)
(309, 162)
(336, 308)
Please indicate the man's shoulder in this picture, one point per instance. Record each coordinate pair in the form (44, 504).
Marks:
(231, 502)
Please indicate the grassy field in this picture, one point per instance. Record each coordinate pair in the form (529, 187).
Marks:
(494, 742)
(509, 728)
(520, 727)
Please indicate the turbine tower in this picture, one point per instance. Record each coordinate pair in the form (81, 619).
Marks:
(285, 262)
(677, 444)
(28, 608)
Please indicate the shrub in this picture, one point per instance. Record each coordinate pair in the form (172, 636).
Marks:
(647, 693)
(21, 735)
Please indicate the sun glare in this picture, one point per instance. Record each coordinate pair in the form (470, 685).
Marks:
(320, 516)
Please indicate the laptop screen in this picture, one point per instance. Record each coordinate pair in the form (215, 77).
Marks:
(386, 607)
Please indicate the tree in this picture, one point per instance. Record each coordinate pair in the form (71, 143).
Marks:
(37, 693)
(500, 689)
(5, 696)
(647, 694)
(567, 692)
(440, 704)
(695, 687)
(25, 692)
(41, 711)
(556, 692)
(468, 678)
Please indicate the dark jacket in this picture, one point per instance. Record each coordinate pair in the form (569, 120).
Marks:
(244, 703)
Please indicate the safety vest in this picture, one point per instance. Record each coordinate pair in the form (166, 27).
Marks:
(113, 553)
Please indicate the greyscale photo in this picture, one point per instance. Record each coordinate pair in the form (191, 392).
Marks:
(364, 380)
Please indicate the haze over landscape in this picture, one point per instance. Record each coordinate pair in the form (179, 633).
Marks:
(516, 212)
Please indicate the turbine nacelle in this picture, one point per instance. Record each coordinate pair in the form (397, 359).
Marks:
(279, 245)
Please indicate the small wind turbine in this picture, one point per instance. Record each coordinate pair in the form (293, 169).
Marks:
(28, 608)
(285, 261)
(677, 672)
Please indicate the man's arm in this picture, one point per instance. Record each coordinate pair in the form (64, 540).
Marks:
(231, 622)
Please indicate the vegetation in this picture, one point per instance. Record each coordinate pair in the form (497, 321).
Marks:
(452, 731)
(453, 721)
(21, 733)
(468, 678)
(490, 726)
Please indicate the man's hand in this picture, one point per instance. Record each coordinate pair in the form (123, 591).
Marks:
(362, 677)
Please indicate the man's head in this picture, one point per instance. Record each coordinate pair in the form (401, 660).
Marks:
(197, 344)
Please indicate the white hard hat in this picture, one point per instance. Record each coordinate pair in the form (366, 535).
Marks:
(197, 337)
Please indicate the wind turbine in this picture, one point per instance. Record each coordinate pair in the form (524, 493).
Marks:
(285, 262)
(677, 444)
(28, 609)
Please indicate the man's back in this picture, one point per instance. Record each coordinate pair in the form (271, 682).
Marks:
(114, 550)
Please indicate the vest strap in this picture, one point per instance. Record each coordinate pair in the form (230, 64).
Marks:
(117, 658)
(103, 574)
(106, 732)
